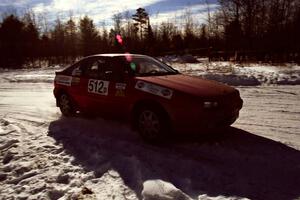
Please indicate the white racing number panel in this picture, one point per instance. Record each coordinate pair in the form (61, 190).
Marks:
(98, 86)
(63, 80)
(154, 89)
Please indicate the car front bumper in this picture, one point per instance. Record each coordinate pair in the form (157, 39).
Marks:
(204, 119)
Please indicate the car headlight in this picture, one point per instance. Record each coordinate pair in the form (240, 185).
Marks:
(210, 104)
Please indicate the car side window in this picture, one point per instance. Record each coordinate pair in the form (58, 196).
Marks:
(76, 70)
(70, 70)
(118, 70)
(104, 71)
(94, 68)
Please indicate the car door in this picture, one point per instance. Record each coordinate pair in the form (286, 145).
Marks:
(95, 84)
(119, 89)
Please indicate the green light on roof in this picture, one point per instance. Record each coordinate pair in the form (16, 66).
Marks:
(133, 66)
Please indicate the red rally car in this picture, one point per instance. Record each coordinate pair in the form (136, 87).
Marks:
(153, 96)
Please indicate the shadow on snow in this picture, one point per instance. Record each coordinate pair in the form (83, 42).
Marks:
(231, 163)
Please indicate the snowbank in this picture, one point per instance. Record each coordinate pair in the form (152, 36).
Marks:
(242, 74)
(39, 75)
(179, 59)
(232, 79)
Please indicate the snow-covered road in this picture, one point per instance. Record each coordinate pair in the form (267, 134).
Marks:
(45, 156)
(272, 112)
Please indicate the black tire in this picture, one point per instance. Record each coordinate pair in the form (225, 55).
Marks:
(152, 124)
(65, 105)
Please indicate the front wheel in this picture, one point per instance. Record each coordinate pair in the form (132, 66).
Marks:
(152, 124)
(65, 105)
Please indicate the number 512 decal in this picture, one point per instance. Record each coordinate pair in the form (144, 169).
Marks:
(98, 86)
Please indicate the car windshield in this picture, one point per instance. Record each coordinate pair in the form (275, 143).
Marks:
(147, 66)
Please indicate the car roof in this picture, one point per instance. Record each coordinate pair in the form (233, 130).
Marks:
(116, 55)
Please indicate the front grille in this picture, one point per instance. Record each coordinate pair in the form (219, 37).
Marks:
(226, 103)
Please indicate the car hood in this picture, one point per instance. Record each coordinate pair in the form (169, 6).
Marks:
(190, 85)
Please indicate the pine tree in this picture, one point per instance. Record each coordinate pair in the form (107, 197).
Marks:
(58, 37)
(141, 17)
(12, 42)
(88, 36)
(31, 39)
(71, 39)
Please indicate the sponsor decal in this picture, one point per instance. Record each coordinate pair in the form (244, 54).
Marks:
(63, 80)
(120, 93)
(75, 80)
(120, 89)
(154, 89)
(140, 84)
(166, 92)
(98, 87)
(121, 86)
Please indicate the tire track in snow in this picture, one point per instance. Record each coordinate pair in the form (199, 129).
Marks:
(273, 114)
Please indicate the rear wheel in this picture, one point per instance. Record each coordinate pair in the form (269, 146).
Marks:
(152, 124)
(65, 105)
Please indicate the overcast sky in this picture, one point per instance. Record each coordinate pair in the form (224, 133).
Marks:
(101, 11)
